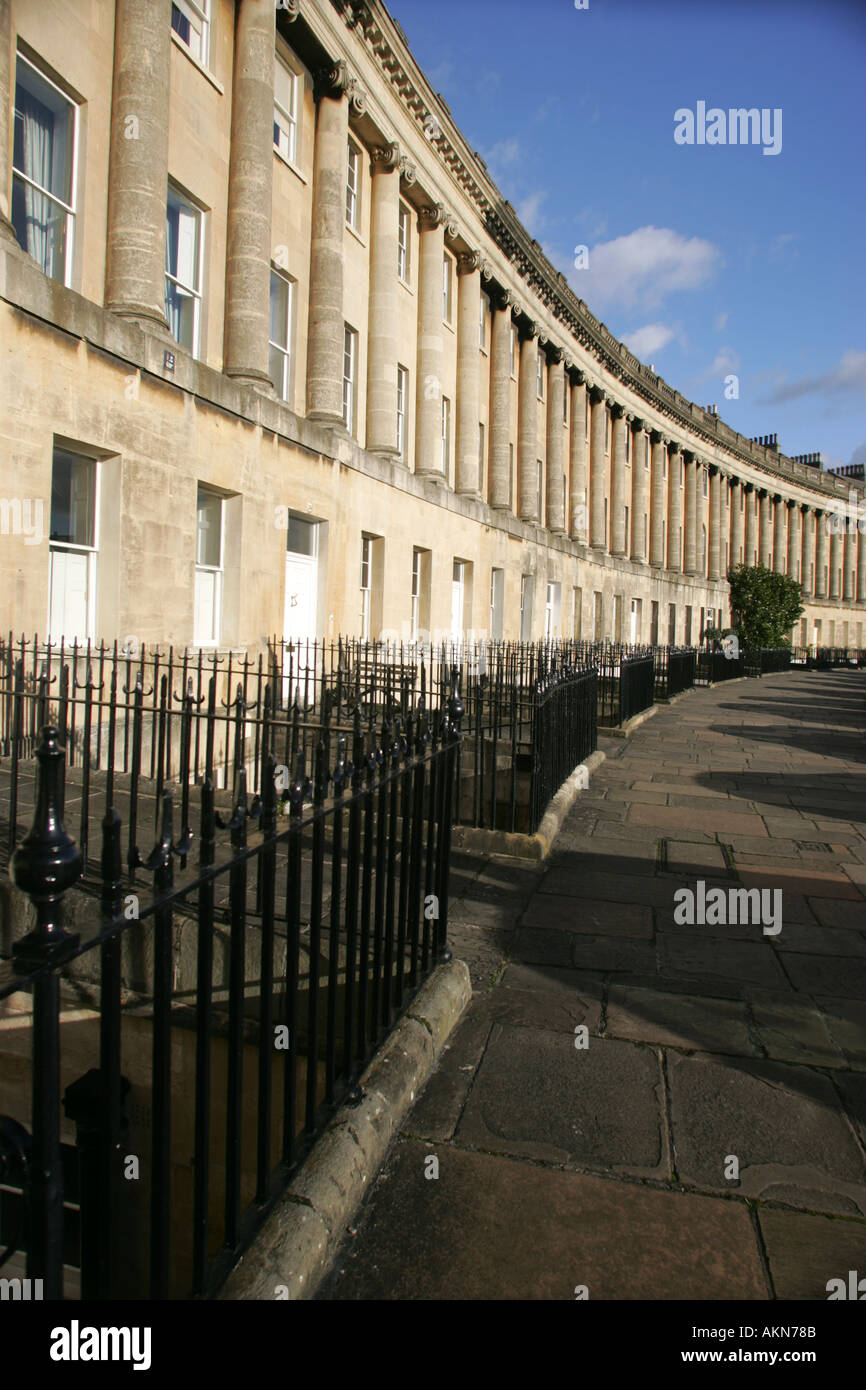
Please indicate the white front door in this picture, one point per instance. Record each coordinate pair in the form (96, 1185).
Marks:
(457, 593)
(70, 613)
(299, 618)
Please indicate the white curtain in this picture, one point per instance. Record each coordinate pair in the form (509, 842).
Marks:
(38, 152)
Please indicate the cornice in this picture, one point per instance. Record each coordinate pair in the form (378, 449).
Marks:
(387, 45)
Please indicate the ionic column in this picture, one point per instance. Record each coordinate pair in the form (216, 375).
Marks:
(138, 161)
(577, 460)
(468, 471)
(639, 490)
(658, 505)
(676, 498)
(807, 563)
(765, 540)
(794, 543)
(325, 334)
(836, 552)
(751, 528)
(428, 394)
(779, 546)
(691, 515)
(861, 565)
(597, 422)
(849, 562)
(6, 229)
(500, 400)
(527, 423)
(736, 522)
(251, 165)
(382, 308)
(555, 443)
(619, 426)
(822, 553)
(714, 539)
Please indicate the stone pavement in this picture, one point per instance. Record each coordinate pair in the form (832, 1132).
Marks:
(709, 1141)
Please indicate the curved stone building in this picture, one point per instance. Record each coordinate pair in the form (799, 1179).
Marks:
(279, 358)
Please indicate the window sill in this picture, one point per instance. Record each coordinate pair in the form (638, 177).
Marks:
(356, 235)
(179, 43)
(405, 285)
(287, 163)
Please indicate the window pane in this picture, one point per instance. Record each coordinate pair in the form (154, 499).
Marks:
(302, 535)
(44, 132)
(40, 227)
(73, 498)
(279, 310)
(181, 242)
(208, 529)
(277, 361)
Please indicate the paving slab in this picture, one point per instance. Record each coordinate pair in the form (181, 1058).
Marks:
(805, 1253)
(783, 1124)
(493, 1228)
(588, 915)
(538, 1095)
(683, 1021)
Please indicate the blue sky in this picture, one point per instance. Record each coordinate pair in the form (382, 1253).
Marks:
(708, 260)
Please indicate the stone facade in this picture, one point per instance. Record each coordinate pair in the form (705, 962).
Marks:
(434, 398)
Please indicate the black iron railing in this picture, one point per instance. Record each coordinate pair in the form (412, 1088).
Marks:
(564, 733)
(626, 680)
(222, 999)
(674, 671)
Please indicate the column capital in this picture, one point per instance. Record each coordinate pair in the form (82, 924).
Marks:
(526, 327)
(675, 447)
(637, 423)
(469, 261)
(576, 374)
(339, 81)
(554, 354)
(596, 395)
(791, 502)
(656, 437)
(431, 216)
(689, 455)
(713, 469)
(617, 410)
(501, 298)
(408, 171)
(384, 159)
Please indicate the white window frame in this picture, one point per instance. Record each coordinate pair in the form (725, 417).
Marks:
(446, 288)
(483, 311)
(606, 430)
(458, 587)
(512, 344)
(446, 436)
(197, 13)
(539, 375)
(402, 399)
(283, 388)
(350, 357)
(366, 585)
(68, 208)
(417, 553)
(404, 243)
(70, 547)
(286, 117)
(218, 571)
(193, 292)
(539, 483)
(353, 185)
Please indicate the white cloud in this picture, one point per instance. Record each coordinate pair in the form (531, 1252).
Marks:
(647, 341)
(724, 362)
(639, 270)
(529, 211)
(721, 320)
(848, 376)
